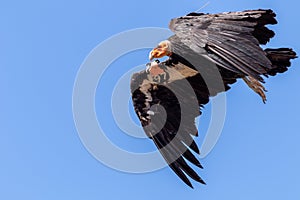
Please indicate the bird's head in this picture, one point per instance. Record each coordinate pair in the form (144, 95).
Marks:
(162, 49)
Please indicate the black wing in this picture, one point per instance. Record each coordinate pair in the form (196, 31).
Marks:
(167, 105)
(167, 110)
(231, 40)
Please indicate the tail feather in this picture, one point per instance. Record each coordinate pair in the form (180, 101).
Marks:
(280, 58)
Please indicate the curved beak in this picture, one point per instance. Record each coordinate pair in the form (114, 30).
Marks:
(151, 57)
(163, 49)
(158, 53)
(152, 54)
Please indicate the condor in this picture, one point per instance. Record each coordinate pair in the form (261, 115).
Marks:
(207, 53)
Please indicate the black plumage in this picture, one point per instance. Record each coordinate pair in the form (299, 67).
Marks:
(209, 52)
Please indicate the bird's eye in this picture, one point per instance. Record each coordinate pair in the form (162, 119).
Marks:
(157, 61)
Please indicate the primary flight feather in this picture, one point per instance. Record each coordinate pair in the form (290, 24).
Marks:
(207, 53)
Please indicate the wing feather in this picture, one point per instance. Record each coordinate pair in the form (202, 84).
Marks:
(171, 125)
(231, 39)
(173, 135)
(167, 110)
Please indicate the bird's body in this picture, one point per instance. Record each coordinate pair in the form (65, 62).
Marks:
(207, 54)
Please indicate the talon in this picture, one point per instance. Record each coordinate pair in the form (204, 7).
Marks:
(256, 86)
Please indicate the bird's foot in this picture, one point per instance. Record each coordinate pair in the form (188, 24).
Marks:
(256, 86)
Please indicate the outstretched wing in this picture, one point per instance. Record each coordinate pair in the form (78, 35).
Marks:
(231, 40)
(167, 110)
(168, 104)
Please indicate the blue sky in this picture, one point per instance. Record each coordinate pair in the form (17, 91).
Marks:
(42, 47)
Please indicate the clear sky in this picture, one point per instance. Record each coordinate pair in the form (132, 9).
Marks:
(43, 44)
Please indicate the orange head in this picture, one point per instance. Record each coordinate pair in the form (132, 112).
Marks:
(163, 49)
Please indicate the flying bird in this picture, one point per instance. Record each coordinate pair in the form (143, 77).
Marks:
(206, 54)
